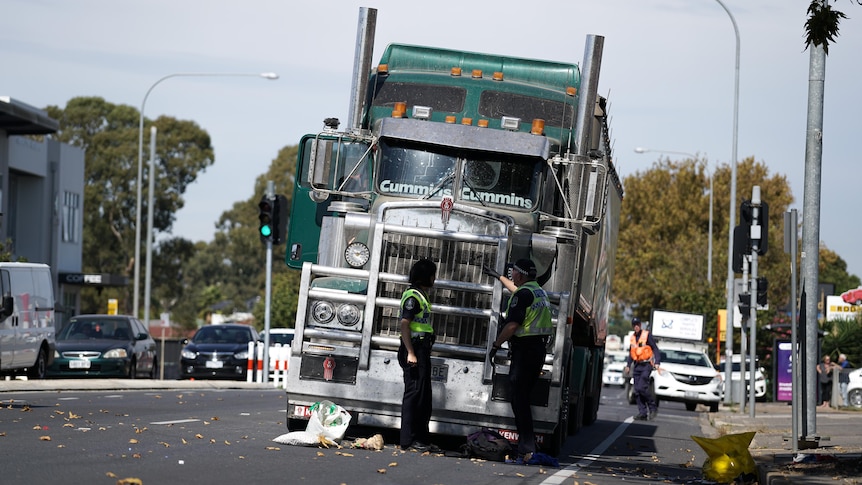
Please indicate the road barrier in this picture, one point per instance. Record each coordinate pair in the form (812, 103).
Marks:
(279, 356)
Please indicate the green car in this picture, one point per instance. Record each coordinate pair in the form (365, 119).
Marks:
(104, 346)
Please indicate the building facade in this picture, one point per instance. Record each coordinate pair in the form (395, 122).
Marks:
(42, 199)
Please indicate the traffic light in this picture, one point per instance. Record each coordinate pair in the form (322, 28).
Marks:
(266, 216)
(762, 285)
(763, 220)
(279, 219)
(741, 246)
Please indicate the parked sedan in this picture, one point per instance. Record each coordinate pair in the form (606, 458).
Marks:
(104, 346)
(218, 351)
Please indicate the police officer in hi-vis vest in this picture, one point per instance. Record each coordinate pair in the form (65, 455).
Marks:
(414, 356)
(527, 326)
(642, 359)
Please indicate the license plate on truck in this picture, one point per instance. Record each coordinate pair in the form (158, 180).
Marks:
(439, 372)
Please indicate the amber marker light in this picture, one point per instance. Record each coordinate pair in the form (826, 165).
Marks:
(538, 126)
(467, 121)
(383, 69)
(456, 71)
(498, 76)
(477, 74)
(450, 119)
(571, 90)
(399, 110)
(482, 123)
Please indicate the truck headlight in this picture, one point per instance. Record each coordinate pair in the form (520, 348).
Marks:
(348, 315)
(322, 312)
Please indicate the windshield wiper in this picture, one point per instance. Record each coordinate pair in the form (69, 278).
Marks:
(449, 176)
(478, 197)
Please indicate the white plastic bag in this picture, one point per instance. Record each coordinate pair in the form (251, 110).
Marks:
(300, 438)
(328, 420)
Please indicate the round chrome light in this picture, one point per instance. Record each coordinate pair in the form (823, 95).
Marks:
(348, 315)
(322, 312)
(356, 254)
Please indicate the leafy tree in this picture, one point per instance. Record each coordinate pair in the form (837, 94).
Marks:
(109, 135)
(833, 269)
(662, 249)
(229, 272)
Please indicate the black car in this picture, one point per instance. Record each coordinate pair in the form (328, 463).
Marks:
(218, 351)
(104, 346)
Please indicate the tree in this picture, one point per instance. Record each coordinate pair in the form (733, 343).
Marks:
(833, 269)
(232, 266)
(662, 249)
(109, 135)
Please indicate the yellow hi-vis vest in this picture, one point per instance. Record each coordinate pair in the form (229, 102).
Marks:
(538, 320)
(639, 349)
(422, 321)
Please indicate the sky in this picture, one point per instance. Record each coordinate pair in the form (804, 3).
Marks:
(668, 70)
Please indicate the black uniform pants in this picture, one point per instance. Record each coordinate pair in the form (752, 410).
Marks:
(528, 356)
(416, 402)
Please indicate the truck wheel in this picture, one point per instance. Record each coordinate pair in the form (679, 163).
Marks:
(40, 367)
(591, 409)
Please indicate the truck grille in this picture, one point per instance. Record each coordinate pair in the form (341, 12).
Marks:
(458, 261)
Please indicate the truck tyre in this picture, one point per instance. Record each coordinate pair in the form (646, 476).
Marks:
(591, 408)
(40, 367)
(576, 415)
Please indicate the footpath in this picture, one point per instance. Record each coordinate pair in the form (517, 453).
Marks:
(833, 455)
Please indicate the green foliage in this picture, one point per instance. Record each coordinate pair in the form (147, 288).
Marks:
(109, 134)
(663, 240)
(821, 28)
(843, 337)
(228, 274)
(285, 296)
(833, 269)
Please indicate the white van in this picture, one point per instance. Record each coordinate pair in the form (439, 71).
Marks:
(26, 319)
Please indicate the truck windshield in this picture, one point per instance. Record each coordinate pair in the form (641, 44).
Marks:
(414, 171)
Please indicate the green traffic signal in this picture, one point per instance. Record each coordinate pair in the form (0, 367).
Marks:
(265, 216)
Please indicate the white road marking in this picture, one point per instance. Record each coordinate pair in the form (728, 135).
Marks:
(177, 421)
(590, 458)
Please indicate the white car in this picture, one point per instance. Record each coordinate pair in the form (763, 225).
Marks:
(685, 375)
(854, 389)
(615, 363)
(759, 378)
(279, 336)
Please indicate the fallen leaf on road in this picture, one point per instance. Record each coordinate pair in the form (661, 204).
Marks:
(393, 464)
(133, 441)
(273, 448)
(199, 436)
(110, 475)
(44, 438)
(130, 481)
(381, 471)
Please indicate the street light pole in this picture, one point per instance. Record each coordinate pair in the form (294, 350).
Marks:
(137, 275)
(709, 244)
(728, 346)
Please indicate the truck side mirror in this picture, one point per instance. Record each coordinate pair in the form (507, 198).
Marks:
(321, 161)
